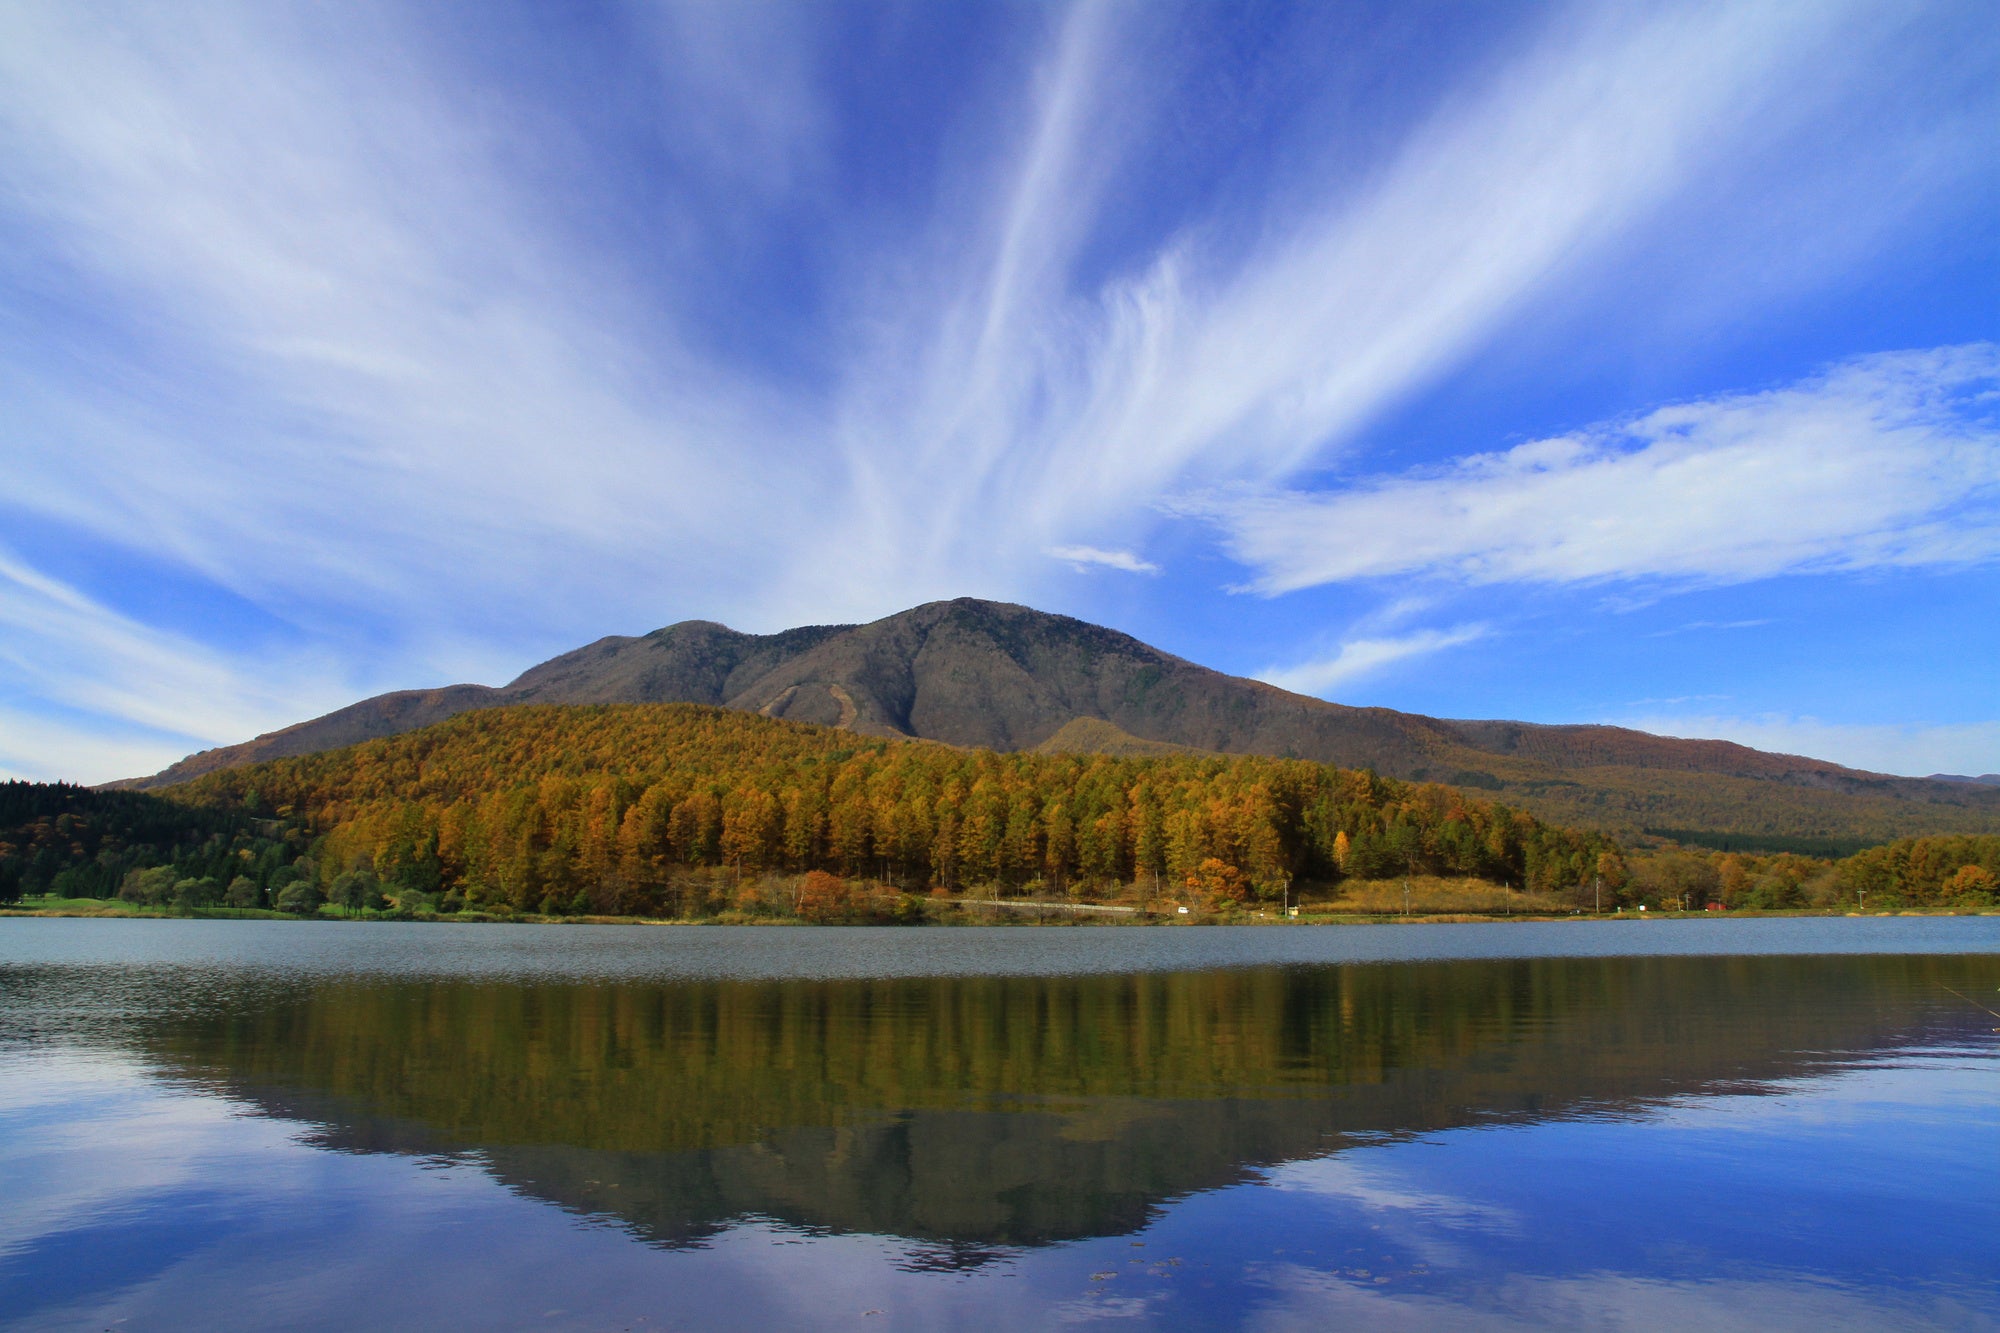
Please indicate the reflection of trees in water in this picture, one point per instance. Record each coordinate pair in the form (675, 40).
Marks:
(973, 1114)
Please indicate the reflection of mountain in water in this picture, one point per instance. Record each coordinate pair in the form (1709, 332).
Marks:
(963, 1114)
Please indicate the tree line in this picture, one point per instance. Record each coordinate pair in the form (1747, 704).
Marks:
(605, 809)
(681, 809)
(1950, 871)
(76, 842)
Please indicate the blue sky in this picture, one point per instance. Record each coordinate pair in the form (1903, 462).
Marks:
(1615, 363)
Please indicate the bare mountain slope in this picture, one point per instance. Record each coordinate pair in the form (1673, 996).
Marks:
(965, 672)
(696, 661)
(1006, 677)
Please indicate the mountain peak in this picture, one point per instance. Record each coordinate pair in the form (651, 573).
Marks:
(1001, 676)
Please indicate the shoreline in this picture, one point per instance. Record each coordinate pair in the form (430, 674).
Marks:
(973, 912)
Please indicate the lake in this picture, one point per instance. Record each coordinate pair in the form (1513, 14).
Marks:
(1758, 1124)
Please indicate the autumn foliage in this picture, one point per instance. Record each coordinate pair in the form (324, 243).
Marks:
(608, 808)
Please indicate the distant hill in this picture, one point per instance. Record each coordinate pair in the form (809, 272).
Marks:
(1005, 677)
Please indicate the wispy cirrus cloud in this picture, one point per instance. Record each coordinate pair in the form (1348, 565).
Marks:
(1042, 406)
(355, 361)
(1890, 460)
(1694, 626)
(1361, 657)
(164, 691)
(1082, 556)
(334, 312)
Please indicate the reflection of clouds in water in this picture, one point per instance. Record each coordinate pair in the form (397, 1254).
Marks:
(1307, 1298)
(795, 1279)
(1375, 1186)
(1925, 1082)
(1090, 1309)
(307, 1237)
(1427, 1222)
(1817, 1143)
(1317, 1300)
(176, 1182)
(202, 1199)
(84, 1132)
(189, 1195)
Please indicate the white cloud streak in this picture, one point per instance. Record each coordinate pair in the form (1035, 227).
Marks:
(1038, 408)
(1363, 657)
(143, 695)
(1889, 460)
(1382, 1191)
(1696, 625)
(1912, 750)
(380, 374)
(1081, 556)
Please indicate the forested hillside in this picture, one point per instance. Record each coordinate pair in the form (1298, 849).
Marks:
(662, 809)
(597, 808)
(79, 843)
(1001, 677)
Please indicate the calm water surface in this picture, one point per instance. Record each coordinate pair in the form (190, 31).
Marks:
(1752, 1124)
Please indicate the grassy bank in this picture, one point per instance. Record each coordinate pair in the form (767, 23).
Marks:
(51, 905)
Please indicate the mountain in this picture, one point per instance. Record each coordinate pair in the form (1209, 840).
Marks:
(1005, 677)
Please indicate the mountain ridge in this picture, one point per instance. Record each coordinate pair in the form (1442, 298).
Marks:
(999, 676)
